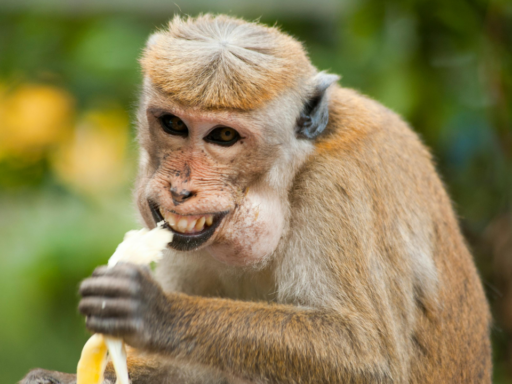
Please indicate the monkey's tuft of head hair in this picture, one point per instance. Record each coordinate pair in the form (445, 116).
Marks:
(220, 62)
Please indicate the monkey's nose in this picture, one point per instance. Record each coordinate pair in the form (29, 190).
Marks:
(180, 196)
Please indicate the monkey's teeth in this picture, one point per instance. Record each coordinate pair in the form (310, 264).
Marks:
(191, 225)
(200, 224)
(170, 218)
(187, 224)
(182, 225)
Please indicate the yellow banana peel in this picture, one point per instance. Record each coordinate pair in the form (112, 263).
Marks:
(92, 361)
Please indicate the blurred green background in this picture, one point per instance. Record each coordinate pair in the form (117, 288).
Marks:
(69, 80)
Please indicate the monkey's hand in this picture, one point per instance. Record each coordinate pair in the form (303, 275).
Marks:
(124, 301)
(42, 376)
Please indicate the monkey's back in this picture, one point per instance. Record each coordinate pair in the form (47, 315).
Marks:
(432, 310)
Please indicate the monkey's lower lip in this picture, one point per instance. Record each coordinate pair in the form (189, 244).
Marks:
(187, 241)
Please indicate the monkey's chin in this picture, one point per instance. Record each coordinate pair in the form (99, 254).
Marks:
(187, 241)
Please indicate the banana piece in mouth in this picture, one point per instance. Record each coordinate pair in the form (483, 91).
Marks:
(139, 247)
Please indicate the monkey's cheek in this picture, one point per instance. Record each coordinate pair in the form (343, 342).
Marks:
(252, 235)
(246, 246)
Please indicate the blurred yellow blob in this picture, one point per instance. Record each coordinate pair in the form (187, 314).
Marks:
(39, 122)
(32, 119)
(93, 160)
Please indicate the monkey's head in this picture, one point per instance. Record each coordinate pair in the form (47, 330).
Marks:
(227, 117)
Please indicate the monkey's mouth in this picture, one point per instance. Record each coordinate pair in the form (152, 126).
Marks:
(190, 232)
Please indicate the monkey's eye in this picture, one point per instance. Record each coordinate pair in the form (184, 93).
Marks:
(223, 136)
(173, 125)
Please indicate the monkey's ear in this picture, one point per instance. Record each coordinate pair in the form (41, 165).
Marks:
(315, 113)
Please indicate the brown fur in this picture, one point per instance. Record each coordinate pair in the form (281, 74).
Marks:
(434, 329)
(221, 62)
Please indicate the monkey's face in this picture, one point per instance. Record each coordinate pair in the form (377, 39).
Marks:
(204, 173)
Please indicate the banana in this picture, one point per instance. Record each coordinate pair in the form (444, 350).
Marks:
(139, 247)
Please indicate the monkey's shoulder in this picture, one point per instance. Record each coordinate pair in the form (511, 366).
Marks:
(354, 118)
(361, 128)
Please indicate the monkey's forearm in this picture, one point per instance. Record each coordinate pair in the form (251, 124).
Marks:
(272, 342)
(248, 340)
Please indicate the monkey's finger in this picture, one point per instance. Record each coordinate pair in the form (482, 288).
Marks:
(109, 286)
(101, 270)
(113, 327)
(121, 269)
(105, 307)
(134, 269)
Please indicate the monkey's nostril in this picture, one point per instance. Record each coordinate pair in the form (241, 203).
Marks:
(179, 196)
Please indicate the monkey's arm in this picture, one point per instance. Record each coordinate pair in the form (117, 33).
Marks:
(276, 343)
(143, 369)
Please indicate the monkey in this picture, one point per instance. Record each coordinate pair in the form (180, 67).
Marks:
(314, 241)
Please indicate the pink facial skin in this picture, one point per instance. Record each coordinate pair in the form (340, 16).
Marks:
(222, 180)
(252, 234)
